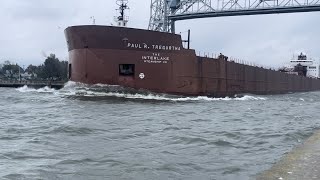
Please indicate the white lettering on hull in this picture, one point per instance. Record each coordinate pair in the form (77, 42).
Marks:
(153, 47)
(155, 58)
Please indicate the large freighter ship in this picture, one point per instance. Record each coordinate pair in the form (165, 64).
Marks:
(157, 61)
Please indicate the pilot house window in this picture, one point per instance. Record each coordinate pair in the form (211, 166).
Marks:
(126, 69)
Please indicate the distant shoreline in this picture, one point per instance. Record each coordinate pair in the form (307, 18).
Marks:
(33, 84)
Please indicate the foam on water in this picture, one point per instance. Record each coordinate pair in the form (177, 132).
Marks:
(165, 98)
(72, 84)
(25, 89)
(102, 90)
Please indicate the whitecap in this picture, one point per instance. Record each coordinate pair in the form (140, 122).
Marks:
(104, 90)
(160, 97)
(26, 89)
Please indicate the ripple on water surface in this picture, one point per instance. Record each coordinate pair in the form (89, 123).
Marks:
(109, 132)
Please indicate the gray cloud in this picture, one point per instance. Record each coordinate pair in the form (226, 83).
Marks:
(35, 26)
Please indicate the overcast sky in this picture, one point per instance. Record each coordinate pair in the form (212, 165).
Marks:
(31, 29)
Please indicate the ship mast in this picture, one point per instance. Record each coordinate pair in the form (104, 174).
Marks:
(122, 20)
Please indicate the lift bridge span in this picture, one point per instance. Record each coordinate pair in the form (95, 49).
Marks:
(164, 13)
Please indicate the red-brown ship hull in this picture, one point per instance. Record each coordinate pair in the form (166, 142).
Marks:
(158, 62)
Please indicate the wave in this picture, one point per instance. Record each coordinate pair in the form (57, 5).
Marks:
(25, 88)
(158, 97)
(75, 89)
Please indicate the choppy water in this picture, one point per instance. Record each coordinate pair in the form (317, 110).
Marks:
(105, 132)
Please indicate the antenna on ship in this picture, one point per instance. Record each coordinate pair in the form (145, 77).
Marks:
(122, 20)
(93, 20)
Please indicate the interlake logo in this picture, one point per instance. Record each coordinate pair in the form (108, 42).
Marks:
(155, 58)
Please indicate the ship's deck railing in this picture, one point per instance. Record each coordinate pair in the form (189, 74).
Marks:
(232, 59)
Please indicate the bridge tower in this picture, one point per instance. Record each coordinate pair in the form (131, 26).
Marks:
(161, 10)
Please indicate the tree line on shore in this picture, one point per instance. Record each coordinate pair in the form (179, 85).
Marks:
(51, 69)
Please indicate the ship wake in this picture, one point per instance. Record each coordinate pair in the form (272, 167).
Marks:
(101, 91)
(73, 89)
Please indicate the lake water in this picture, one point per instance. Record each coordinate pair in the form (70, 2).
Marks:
(107, 132)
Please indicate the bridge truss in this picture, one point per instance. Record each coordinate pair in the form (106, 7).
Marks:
(164, 13)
